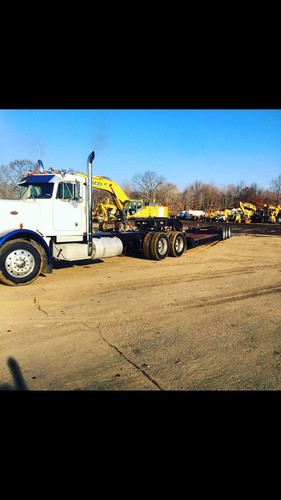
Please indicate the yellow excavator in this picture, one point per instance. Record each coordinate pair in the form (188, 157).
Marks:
(122, 203)
(271, 213)
(248, 210)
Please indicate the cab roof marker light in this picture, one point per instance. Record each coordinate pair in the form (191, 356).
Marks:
(55, 171)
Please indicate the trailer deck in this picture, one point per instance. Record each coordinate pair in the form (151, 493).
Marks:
(198, 236)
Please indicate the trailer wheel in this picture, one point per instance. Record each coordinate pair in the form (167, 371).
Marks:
(159, 246)
(222, 231)
(226, 232)
(146, 244)
(20, 263)
(177, 244)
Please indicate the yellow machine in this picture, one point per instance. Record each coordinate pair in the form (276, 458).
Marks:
(271, 212)
(248, 210)
(268, 214)
(104, 211)
(137, 208)
(211, 214)
(224, 215)
(122, 203)
(236, 216)
(278, 214)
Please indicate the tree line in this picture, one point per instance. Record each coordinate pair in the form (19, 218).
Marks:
(150, 186)
(199, 195)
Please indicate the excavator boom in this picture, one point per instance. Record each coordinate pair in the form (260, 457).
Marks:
(106, 184)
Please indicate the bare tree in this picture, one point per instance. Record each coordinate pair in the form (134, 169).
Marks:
(238, 191)
(11, 174)
(148, 184)
(196, 191)
(275, 186)
(187, 199)
(252, 194)
(168, 195)
(127, 188)
(210, 197)
(229, 197)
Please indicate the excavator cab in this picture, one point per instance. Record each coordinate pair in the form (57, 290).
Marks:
(133, 207)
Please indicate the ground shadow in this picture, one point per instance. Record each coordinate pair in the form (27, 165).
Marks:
(65, 264)
(19, 383)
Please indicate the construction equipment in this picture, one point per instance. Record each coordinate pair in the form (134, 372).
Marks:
(224, 215)
(52, 221)
(248, 211)
(211, 214)
(271, 213)
(278, 214)
(268, 214)
(105, 211)
(138, 208)
(236, 216)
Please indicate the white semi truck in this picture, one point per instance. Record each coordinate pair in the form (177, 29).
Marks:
(52, 221)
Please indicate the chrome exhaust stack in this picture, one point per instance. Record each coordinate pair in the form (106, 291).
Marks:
(40, 166)
(90, 202)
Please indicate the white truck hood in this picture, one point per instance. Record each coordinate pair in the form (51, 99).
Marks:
(20, 214)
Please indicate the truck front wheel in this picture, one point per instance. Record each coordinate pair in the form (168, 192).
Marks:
(20, 263)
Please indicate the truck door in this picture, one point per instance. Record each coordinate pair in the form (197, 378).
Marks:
(67, 214)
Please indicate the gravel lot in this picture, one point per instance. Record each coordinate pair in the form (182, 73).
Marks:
(207, 321)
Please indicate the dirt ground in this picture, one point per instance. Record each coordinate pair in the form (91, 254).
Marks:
(207, 321)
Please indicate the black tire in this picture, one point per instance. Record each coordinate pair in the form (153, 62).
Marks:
(177, 244)
(146, 245)
(20, 263)
(223, 232)
(159, 246)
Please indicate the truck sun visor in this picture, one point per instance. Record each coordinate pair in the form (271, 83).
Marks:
(34, 179)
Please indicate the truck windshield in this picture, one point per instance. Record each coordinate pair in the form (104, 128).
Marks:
(36, 191)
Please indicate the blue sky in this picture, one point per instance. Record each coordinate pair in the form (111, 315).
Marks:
(217, 146)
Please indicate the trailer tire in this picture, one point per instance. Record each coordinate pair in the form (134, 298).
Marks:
(226, 232)
(222, 231)
(177, 243)
(146, 245)
(20, 262)
(159, 246)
